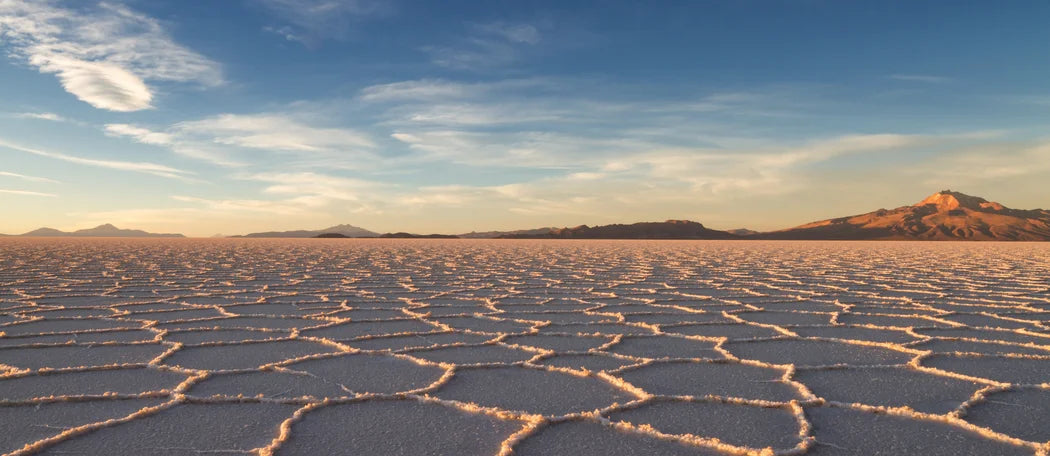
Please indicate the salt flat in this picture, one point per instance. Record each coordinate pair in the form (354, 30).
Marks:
(523, 347)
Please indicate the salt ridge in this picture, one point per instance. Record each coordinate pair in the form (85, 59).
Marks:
(460, 290)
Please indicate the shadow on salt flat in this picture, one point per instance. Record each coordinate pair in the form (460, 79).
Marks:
(588, 438)
(674, 319)
(244, 323)
(24, 424)
(595, 328)
(65, 356)
(989, 348)
(891, 387)
(741, 425)
(173, 315)
(558, 317)
(388, 427)
(1019, 413)
(417, 341)
(593, 362)
(731, 330)
(712, 378)
(841, 431)
(93, 382)
(134, 335)
(1002, 369)
(773, 317)
(665, 347)
(66, 325)
(351, 330)
(531, 390)
(191, 337)
(986, 334)
(856, 333)
(244, 355)
(485, 325)
(559, 343)
(816, 353)
(188, 429)
(478, 354)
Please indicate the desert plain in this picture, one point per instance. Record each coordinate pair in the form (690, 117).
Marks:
(531, 347)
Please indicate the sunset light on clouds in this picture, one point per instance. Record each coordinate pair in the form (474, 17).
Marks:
(231, 117)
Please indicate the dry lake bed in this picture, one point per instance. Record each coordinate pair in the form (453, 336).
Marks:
(459, 347)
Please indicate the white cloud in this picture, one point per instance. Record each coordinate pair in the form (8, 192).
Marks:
(315, 189)
(221, 139)
(425, 89)
(50, 116)
(103, 55)
(141, 167)
(27, 193)
(488, 45)
(142, 135)
(274, 132)
(929, 79)
(311, 21)
(515, 33)
(28, 178)
(989, 162)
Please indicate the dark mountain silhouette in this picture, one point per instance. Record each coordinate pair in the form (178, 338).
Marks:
(106, 230)
(403, 235)
(743, 232)
(345, 230)
(332, 236)
(498, 234)
(945, 215)
(671, 229)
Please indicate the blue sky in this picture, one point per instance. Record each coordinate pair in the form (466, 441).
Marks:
(207, 117)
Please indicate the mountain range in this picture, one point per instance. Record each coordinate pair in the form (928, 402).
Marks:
(671, 229)
(349, 231)
(943, 216)
(106, 230)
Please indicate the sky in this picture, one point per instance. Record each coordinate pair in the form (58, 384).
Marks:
(204, 117)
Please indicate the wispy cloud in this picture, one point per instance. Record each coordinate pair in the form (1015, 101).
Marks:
(312, 21)
(27, 193)
(27, 178)
(426, 89)
(141, 167)
(314, 189)
(221, 139)
(986, 162)
(929, 79)
(274, 132)
(50, 116)
(139, 134)
(535, 123)
(487, 45)
(104, 54)
(514, 33)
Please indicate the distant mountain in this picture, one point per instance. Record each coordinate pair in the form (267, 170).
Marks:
(742, 232)
(404, 235)
(332, 236)
(106, 230)
(498, 234)
(671, 229)
(945, 215)
(345, 230)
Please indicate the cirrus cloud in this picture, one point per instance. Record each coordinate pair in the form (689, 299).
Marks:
(103, 55)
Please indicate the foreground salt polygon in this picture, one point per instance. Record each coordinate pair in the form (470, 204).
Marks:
(524, 347)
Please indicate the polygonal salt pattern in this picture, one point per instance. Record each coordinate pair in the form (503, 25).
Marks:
(530, 347)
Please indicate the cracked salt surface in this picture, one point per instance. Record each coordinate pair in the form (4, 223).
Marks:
(523, 347)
